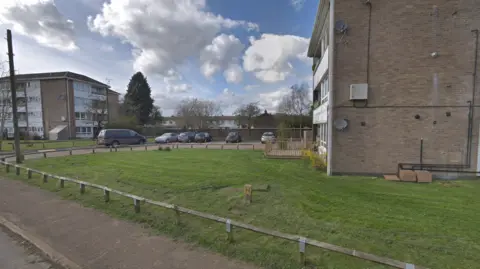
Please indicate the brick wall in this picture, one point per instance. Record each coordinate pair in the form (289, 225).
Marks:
(405, 81)
(54, 103)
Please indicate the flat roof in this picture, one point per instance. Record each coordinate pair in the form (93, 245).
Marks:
(322, 13)
(58, 75)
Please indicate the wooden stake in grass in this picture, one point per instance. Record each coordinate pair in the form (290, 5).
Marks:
(7, 167)
(106, 195)
(228, 226)
(301, 245)
(45, 155)
(136, 205)
(62, 183)
(177, 215)
(45, 178)
(17, 170)
(82, 188)
(29, 173)
(247, 191)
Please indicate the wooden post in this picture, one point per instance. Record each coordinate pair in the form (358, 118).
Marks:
(229, 227)
(131, 148)
(17, 170)
(301, 244)
(110, 149)
(116, 149)
(62, 183)
(145, 147)
(70, 152)
(247, 190)
(7, 168)
(177, 215)
(45, 155)
(29, 173)
(45, 178)
(191, 146)
(106, 195)
(136, 205)
(82, 188)
(238, 146)
(221, 147)
(253, 147)
(43, 145)
(93, 150)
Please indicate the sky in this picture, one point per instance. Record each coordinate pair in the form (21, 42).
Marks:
(229, 51)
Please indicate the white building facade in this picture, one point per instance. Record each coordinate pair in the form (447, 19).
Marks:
(29, 108)
(85, 95)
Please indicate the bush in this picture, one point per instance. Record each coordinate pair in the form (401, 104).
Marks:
(124, 123)
(315, 160)
(168, 149)
(160, 148)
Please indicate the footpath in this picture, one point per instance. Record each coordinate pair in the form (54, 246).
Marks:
(94, 240)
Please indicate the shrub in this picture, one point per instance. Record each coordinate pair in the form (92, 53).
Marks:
(315, 160)
(160, 148)
(168, 149)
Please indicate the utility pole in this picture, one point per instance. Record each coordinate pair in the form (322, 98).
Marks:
(13, 90)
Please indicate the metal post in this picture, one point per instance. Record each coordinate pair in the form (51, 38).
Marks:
(13, 90)
(301, 244)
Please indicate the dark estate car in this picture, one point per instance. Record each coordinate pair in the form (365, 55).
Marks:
(115, 137)
(233, 137)
(186, 137)
(166, 138)
(203, 137)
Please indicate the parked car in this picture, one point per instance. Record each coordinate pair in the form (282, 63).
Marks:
(115, 137)
(233, 137)
(166, 138)
(203, 137)
(268, 137)
(186, 137)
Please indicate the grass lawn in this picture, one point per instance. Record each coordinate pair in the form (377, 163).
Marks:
(435, 225)
(49, 144)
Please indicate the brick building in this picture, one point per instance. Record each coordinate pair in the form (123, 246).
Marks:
(59, 105)
(388, 74)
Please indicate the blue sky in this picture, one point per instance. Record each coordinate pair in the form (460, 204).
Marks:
(232, 53)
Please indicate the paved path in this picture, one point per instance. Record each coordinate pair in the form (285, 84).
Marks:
(15, 254)
(93, 239)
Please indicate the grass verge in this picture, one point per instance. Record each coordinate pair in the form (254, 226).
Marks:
(434, 225)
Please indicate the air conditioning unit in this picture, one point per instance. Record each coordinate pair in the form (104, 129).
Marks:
(358, 92)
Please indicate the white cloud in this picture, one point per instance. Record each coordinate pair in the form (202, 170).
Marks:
(164, 33)
(40, 20)
(270, 57)
(223, 54)
(233, 74)
(297, 4)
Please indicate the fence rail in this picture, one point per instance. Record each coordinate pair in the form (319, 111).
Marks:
(303, 241)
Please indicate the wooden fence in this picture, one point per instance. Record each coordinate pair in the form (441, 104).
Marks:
(137, 200)
(286, 149)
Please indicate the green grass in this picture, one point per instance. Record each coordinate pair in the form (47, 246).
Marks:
(434, 225)
(50, 144)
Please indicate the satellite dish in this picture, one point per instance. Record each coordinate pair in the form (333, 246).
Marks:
(340, 124)
(341, 26)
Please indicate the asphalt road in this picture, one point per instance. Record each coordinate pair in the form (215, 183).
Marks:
(18, 254)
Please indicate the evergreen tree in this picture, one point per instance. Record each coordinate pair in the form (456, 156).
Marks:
(138, 100)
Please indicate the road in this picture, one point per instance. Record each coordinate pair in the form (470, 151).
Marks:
(18, 254)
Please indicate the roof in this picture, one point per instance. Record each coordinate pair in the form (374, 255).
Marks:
(57, 75)
(322, 13)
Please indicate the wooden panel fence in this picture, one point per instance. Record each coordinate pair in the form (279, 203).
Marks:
(137, 201)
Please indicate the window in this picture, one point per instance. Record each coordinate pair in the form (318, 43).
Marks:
(83, 130)
(82, 116)
(324, 90)
(322, 134)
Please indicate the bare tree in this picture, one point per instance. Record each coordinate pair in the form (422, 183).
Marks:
(97, 112)
(196, 113)
(296, 101)
(245, 114)
(5, 103)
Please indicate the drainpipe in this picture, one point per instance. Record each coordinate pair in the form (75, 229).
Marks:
(331, 100)
(69, 126)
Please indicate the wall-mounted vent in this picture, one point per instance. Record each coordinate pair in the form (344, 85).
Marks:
(358, 92)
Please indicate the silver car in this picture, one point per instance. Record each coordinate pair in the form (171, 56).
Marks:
(268, 137)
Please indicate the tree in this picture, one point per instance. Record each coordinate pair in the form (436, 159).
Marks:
(246, 114)
(196, 113)
(138, 101)
(156, 115)
(97, 112)
(296, 101)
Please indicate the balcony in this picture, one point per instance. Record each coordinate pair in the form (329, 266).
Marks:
(321, 69)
